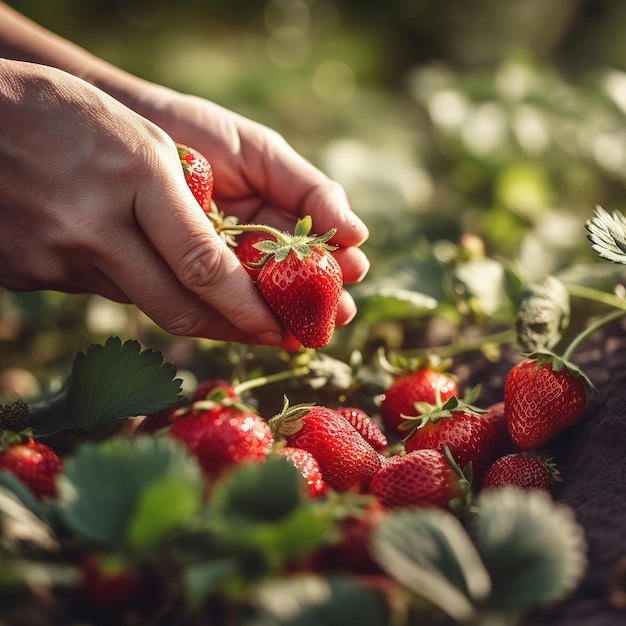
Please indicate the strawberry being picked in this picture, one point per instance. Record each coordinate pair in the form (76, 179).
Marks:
(301, 282)
(347, 461)
(34, 463)
(543, 395)
(248, 255)
(198, 174)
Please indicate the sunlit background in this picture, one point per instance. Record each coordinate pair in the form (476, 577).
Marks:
(482, 130)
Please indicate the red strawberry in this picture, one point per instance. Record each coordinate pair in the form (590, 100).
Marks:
(214, 388)
(457, 425)
(301, 282)
(223, 437)
(34, 463)
(347, 461)
(308, 466)
(366, 426)
(421, 385)
(496, 415)
(247, 254)
(543, 395)
(523, 470)
(110, 586)
(419, 478)
(157, 421)
(198, 174)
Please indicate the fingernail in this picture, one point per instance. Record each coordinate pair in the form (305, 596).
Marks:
(270, 338)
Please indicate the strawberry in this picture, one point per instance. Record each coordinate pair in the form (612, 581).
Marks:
(222, 437)
(248, 255)
(214, 388)
(198, 174)
(347, 461)
(109, 586)
(366, 426)
(523, 470)
(424, 384)
(34, 463)
(460, 427)
(301, 282)
(419, 478)
(308, 466)
(543, 395)
(496, 415)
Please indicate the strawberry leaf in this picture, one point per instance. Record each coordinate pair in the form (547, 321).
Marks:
(532, 547)
(309, 600)
(607, 234)
(107, 383)
(430, 553)
(129, 492)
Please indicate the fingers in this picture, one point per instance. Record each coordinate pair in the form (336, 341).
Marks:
(201, 263)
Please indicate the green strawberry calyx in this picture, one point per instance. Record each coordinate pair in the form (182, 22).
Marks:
(10, 438)
(561, 364)
(427, 413)
(301, 242)
(289, 421)
(395, 364)
(461, 505)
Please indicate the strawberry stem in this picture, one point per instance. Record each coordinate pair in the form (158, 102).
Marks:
(261, 381)
(587, 332)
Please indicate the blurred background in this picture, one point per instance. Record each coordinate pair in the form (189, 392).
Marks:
(474, 138)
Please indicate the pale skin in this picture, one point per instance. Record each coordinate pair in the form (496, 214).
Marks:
(93, 198)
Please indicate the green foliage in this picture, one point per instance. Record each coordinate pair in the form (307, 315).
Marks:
(129, 493)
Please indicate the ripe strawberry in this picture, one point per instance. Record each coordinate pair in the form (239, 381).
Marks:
(419, 478)
(523, 470)
(110, 587)
(34, 463)
(366, 427)
(347, 461)
(420, 385)
(157, 421)
(247, 254)
(543, 395)
(214, 389)
(308, 466)
(301, 282)
(457, 425)
(496, 415)
(223, 437)
(198, 174)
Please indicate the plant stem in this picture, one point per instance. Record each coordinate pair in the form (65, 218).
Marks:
(260, 228)
(261, 381)
(603, 321)
(589, 293)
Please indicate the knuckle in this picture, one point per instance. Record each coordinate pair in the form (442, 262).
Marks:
(185, 324)
(202, 267)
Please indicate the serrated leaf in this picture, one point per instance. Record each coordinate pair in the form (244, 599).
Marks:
(104, 484)
(430, 553)
(114, 381)
(607, 234)
(532, 547)
(308, 600)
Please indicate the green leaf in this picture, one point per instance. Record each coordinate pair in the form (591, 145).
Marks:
(430, 553)
(607, 234)
(162, 507)
(263, 492)
(111, 382)
(200, 580)
(108, 489)
(532, 547)
(308, 600)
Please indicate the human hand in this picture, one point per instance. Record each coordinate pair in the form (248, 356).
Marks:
(259, 178)
(112, 215)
